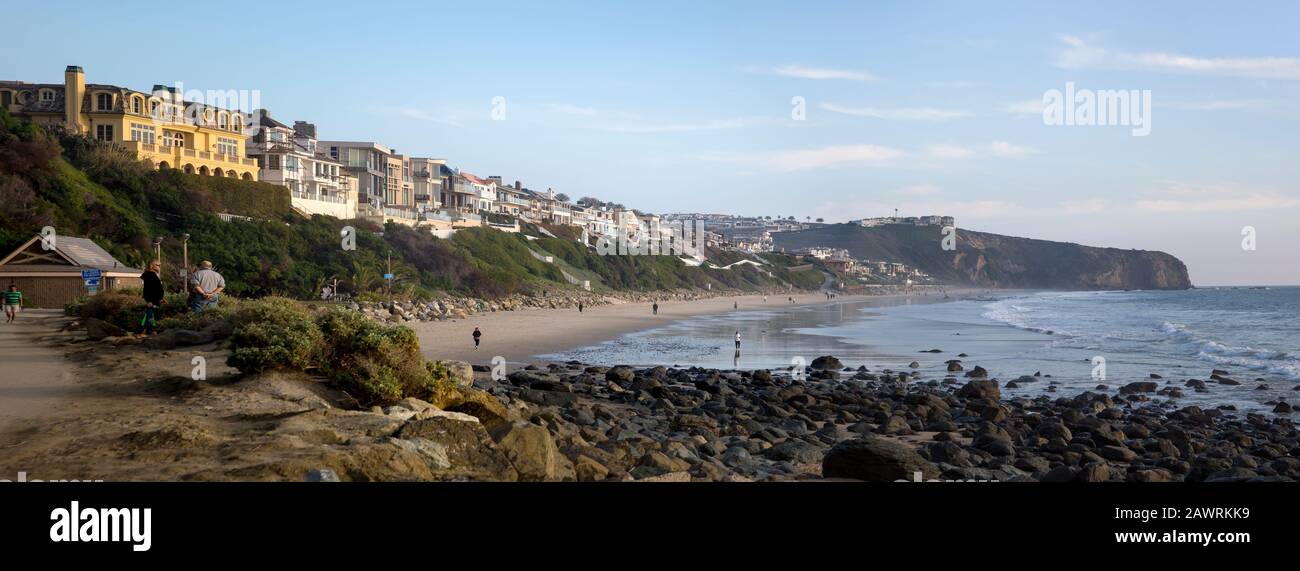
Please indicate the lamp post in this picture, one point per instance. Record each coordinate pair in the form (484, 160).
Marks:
(157, 253)
(185, 263)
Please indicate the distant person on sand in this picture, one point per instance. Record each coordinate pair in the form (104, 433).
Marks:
(655, 308)
(737, 340)
(579, 307)
(765, 299)
(13, 303)
(735, 305)
(207, 285)
(153, 297)
(477, 334)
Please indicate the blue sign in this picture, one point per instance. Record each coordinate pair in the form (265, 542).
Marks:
(388, 276)
(91, 274)
(91, 282)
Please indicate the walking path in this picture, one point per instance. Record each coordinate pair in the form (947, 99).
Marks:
(34, 377)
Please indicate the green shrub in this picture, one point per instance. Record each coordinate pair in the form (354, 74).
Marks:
(376, 363)
(274, 333)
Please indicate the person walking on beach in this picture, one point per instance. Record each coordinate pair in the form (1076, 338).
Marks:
(477, 335)
(654, 309)
(207, 285)
(153, 297)
(13, 302)
(765, 299)
(579, 307)
(735, 305)
(737, 340)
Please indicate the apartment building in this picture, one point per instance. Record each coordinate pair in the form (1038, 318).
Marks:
(160, 127)
(429, 177)
(291, 157)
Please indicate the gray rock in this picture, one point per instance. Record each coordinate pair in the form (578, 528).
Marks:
(876, 460)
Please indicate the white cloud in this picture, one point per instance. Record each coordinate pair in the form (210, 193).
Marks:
(1005, 149)
(1089, 206)
(1258, 68)
(954, 84)
(865, 155)
(898, 114)
(1027, 107)
(1080, 53)
(950, 152)
(805, 72)
(830, 156)
(710, 125)
(1221, 104)
(999, 149)
(1179, 197)
(567, 109)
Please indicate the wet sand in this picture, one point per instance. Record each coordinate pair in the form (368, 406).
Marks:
(520, 336)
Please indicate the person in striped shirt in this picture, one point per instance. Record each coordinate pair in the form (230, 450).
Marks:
(13, 302)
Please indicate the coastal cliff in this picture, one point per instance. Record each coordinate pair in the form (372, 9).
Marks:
(996, 261)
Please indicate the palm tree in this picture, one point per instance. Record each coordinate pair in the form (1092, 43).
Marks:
(364, 278)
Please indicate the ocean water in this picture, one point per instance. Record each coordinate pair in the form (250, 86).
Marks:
(1254, 334)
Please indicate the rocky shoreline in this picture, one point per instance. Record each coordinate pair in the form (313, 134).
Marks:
(577, 422)
(695, 424)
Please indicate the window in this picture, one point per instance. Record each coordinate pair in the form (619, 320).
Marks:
(173, 139)
(6, 98)
(143, 133)
(236, 123)
(227, 146)
(221, 121)
(104, 132)
(273, 162)
(47, 95)
(137, 105)
(104, 102)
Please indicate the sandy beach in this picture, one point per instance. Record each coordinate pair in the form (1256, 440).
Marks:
(519, 336)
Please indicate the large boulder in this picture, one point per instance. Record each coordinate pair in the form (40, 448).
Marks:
(620, 374)
(460, 371)
(980, 390)
(875, 460)
(826, 363)
(1139, 387)
(532, 451)
(489, 411)
(470, 451)
(796, 451)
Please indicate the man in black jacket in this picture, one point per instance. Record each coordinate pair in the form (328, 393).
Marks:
(153, 296)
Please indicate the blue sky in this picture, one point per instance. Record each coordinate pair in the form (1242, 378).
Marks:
(669, 106)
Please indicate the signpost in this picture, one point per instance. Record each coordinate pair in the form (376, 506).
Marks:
(90, 278)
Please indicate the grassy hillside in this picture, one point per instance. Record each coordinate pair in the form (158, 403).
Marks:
(86, 188)
(992, 260)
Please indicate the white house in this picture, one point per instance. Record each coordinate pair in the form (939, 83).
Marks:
(288, 156)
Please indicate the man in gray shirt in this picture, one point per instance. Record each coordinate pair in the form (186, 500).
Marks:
(206, 285)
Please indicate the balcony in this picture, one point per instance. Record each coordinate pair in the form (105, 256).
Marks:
(318, 196)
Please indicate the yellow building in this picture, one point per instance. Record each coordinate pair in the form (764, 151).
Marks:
(160, 127)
